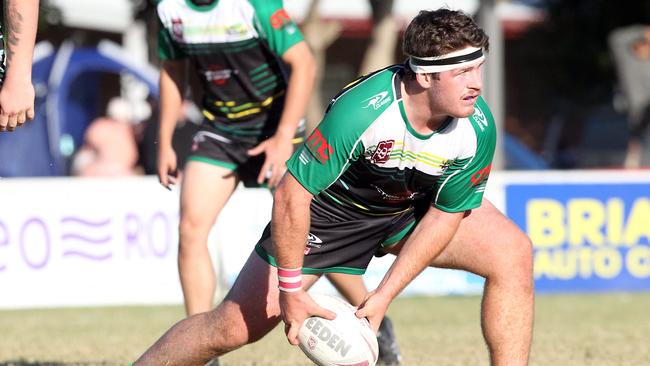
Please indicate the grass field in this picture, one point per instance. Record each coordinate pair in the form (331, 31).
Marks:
(575, 330)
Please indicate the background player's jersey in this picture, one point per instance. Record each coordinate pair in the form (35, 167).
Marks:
(235, 47)
(365, 156)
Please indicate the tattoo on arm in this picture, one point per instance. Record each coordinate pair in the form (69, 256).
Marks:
(14, 28)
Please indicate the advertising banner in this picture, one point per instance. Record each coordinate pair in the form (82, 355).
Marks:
(84, 242)
(588, 236)
(98, 242)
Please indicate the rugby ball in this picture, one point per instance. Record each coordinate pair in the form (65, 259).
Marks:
(346, 340)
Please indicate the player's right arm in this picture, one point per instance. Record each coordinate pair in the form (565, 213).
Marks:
(172, 81)
(324, 156)
(290, 225)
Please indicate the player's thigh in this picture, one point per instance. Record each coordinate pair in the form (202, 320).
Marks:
(252, 304)
(487, 242)
(204, 191)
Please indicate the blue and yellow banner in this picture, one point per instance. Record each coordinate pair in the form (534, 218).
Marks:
(587, 237)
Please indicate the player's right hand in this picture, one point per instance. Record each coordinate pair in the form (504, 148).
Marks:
(167, 172)
(297, 306)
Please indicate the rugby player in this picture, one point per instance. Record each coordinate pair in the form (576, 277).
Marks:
(398, 165)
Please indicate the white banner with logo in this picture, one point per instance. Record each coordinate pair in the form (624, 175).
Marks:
(92, 242)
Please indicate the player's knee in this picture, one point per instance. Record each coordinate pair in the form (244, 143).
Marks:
(521, 262)
(515, 263)
(229, 340)
(190, 229)
(225, 334)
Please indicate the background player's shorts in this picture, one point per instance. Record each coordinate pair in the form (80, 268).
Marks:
(216, 148)
(343, 244)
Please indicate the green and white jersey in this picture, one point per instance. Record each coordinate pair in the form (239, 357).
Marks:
(235, 47)
(365, 156)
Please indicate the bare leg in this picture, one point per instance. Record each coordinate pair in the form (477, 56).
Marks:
(490, 245)
(249, 311)
(350, 286)
(205, 190)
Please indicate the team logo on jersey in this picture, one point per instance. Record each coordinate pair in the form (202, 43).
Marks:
(177, 28)
(382, 152)
(481, 175)
(319, 146)
(377, 100)
(480, 119)
(279, 19)
(217, 75)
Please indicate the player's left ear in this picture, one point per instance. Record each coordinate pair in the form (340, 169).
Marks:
(425, 80)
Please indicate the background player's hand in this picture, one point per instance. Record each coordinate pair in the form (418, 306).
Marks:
(16, 104)
(297, 306)
(373, 308)
(277, 150)
(167, 173)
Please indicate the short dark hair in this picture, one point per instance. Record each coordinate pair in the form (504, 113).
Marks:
(437, 32)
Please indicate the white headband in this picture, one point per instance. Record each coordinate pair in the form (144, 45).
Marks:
(453, 60)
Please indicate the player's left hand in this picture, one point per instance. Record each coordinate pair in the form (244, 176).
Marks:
(16, 104)
(373, 308)
(277, 150)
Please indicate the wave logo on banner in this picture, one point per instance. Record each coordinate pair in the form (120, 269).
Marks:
(587, 237)
(39, 241)
(89, 238)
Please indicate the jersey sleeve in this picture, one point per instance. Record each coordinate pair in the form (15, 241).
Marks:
(167, 48)
(276, 26)
(462, 185)
(330, 148)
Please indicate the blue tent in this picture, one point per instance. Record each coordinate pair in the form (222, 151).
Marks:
(67, 84)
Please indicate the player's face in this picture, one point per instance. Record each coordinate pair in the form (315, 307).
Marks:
(455, 92)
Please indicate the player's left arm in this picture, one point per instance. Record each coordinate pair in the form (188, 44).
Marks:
(286, 41)
(279, 147)
(301, 82)
(458, 190)
(17, 94)
(428, 240)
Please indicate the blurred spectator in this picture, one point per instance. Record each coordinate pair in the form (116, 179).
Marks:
(631, 49)
(109, 147)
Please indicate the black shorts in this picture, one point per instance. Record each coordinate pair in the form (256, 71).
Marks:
(217, 148)
(344, 244)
